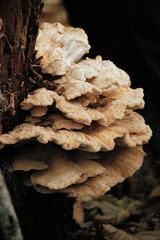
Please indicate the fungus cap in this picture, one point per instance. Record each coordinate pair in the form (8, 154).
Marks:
(120, 163)
(92, 139)
(60, 46)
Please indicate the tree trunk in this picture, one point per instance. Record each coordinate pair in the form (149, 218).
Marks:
(18, 32)
(41, 216)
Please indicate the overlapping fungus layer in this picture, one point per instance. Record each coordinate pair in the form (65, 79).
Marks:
(89, 137)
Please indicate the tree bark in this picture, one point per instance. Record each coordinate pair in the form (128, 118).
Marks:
(18, 32)
(40, 216)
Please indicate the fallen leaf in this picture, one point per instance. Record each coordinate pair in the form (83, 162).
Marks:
(78, 212)
(112, 233)
(148, 235)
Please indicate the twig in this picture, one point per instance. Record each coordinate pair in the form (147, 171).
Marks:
(8, 220)
(40, 78)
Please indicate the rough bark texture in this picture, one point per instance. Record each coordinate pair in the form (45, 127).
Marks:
(41, 217)
(19, 27)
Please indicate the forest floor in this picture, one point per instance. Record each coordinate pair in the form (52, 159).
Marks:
(112, 218)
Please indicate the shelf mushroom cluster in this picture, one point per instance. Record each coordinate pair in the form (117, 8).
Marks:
(89, 138)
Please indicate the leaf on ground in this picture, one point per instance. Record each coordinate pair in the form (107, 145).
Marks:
(112, 233)
(78, 212)
(148, 235)
(108, 214)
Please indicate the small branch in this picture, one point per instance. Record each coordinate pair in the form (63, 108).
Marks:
(40, 78)
(8, 219)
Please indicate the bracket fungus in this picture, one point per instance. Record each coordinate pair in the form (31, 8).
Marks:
(94, 138)
(60, 46)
